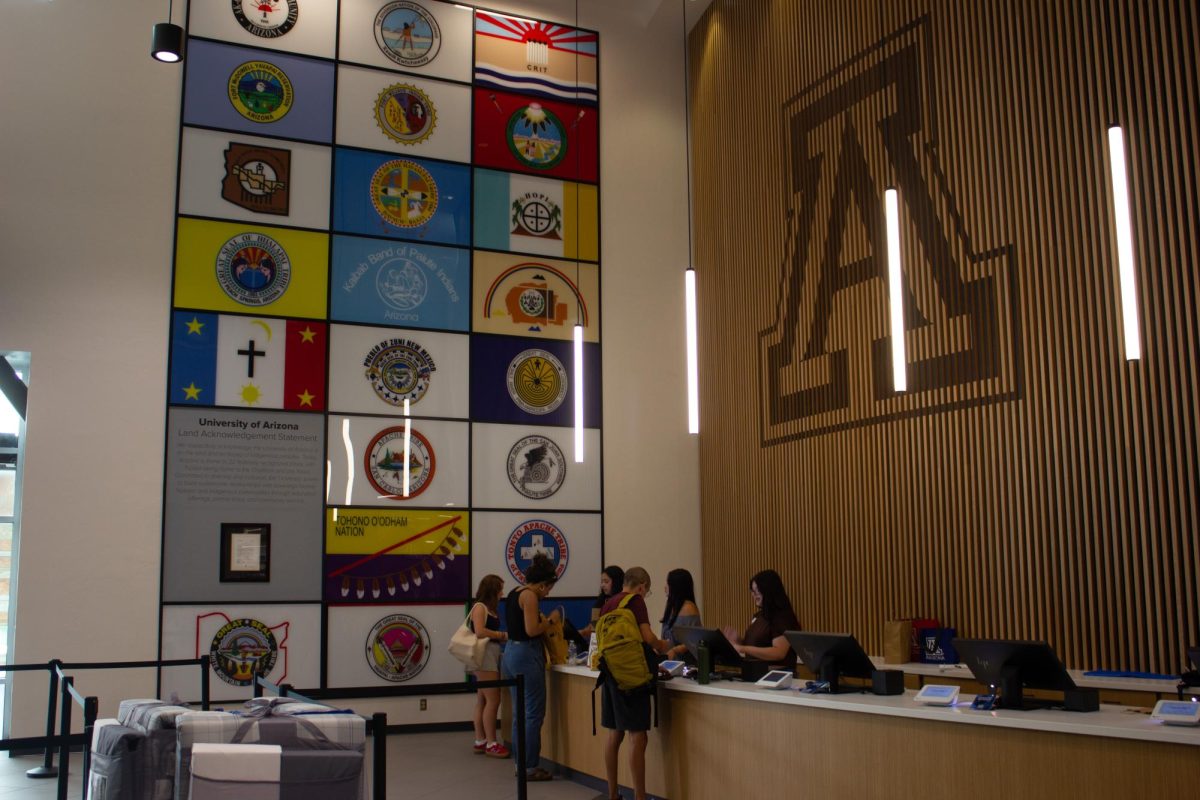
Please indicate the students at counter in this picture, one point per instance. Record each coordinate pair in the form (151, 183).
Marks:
(764, 637)
(681, 609)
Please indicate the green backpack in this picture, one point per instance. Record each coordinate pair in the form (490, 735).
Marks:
(619, 648)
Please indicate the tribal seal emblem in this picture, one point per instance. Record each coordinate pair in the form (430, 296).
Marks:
(531, 538)
(394, 476)
(405, 113)
(536, 467)
(399, 370)
(241, 649)
(536, 137)
(401, 284)
(260, 91)
(398, 648)
(404, 193)
(268, 19)
(535, 214)
(253, 269)
(407, 34)
(537, 381)
(256, 178)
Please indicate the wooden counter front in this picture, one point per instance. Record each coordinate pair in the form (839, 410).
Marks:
(713, 746)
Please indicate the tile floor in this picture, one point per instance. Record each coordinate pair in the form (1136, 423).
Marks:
(427, 766)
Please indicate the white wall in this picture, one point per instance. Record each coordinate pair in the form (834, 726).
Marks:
(88, 133)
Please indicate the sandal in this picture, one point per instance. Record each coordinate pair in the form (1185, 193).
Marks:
(538, 774)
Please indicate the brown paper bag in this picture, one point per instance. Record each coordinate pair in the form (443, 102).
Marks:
(897, 634)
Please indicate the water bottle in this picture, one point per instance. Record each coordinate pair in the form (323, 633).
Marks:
(572, 654)
(704, 662)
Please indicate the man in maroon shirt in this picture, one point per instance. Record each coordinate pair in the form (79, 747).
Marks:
(623, 712)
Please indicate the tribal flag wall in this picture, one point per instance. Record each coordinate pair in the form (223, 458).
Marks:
(386, 231)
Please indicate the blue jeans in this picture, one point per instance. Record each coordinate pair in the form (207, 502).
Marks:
(528, 659)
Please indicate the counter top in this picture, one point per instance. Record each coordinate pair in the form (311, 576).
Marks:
(961, 672)
(1110, 721)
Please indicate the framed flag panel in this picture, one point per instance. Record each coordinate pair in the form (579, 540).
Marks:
(387, 230)
(297, 26)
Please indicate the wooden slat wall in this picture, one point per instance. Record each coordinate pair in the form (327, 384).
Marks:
(1056, 501)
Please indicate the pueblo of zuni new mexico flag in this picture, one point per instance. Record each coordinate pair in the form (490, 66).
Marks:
(247, 361)
(535, 135)
(524, 214)
(543, 59)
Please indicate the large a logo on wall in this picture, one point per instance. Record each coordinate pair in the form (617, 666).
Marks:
(400, 462)
(253, 269)
(531, 538)
(398, 648)
(267, 18)
(241, 649)
(407, 34)
(537, 381)
(536, 467)
(819, 373)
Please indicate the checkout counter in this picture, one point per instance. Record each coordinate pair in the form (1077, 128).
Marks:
(730, 739)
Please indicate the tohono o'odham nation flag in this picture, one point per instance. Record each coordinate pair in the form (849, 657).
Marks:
(536, 135)
(543, 59)
(247, 362)
(527, 214)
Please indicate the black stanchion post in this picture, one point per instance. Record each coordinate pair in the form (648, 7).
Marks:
(205, 699)
(64, 746)
(258, 687)
(285, 689)
(519, 714)
(90, 706)
(379, 756)
(47, 769)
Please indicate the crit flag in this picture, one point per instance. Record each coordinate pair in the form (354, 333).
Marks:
(249, 362)
(536, 135)
(543, 59)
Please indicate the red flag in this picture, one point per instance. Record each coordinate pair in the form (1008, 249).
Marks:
(535, 135)
(304, 366)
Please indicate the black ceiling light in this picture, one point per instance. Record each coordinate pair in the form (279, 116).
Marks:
(166, 40)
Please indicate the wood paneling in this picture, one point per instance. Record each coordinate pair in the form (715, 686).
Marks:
(1031, 483)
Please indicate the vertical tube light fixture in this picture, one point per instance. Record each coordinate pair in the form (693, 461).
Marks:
(578, 378)
(407, 446)
(693, 362)
(1125, 262)
(891, 203)
(578, 330)
(689, 274)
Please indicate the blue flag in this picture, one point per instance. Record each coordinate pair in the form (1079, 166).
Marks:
(258, 91)
(382, 194)
(385, 282)
(531, 381)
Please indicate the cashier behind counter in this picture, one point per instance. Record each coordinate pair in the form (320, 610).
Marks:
(764, 639)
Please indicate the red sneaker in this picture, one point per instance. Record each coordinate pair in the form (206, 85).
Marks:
(480, 747)
(497, 750)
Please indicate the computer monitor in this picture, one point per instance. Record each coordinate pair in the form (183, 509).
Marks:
(830, 656)
(1012, 666)
(572, 634)
(720, 649)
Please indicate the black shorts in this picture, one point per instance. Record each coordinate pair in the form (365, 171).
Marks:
(624, 711)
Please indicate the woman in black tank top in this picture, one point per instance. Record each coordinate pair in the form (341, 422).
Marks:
(524, 656)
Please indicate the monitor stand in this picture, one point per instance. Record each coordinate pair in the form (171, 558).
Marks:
(1012, 696)
(829, 673)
